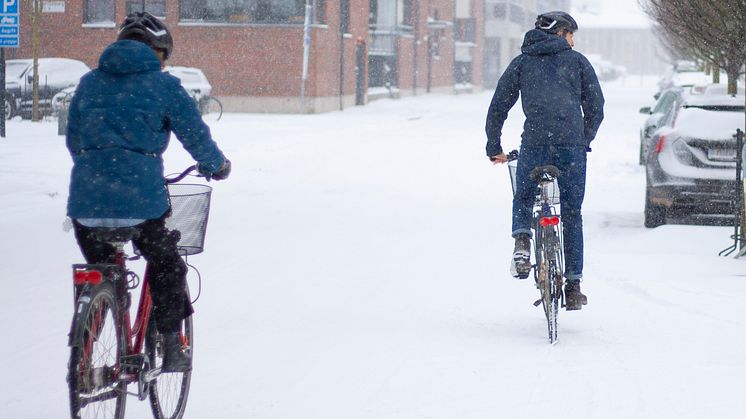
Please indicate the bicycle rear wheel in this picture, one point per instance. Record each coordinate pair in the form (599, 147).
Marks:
(93, 372)
(211, 108)
(168, 391)
(549, 277)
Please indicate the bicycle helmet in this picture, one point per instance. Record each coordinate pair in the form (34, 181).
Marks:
(148, 29)
(553, 22)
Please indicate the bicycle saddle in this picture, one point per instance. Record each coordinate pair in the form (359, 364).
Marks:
(538, 173)
(115, 235)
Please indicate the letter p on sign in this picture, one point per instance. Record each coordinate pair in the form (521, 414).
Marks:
(9, 6)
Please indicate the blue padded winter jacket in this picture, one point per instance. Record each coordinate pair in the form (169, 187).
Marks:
(555, 84)
(119, 124)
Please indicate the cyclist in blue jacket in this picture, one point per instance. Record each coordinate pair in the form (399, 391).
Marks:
(563, 105)
(119, 124)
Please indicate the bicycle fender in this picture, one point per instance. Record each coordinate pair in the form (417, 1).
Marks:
(78, 323)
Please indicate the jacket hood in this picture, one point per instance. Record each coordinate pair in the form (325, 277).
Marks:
(538, 42)
(127, 56)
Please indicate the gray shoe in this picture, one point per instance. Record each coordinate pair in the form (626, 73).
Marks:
(574, 299)
(520, 265)
(175, 359)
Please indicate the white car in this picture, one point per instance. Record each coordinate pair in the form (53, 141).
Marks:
(55, 74)
(193, 80)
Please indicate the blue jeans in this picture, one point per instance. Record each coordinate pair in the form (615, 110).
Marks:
(570, 160)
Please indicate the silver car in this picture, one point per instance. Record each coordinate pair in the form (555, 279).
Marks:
(690, 160)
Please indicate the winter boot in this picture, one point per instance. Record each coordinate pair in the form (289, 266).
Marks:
(520, 266)
(574, 299)
(174, 357)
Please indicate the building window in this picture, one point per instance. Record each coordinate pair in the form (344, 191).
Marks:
(499, 11)
(154, 7)
(246, 11)
(466, 30)
(406, 13)
(517, 14)
(98, 11)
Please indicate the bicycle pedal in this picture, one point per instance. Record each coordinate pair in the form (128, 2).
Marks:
(537, 303)
(132, 364)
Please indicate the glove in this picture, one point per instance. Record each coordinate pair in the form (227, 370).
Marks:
(223, 172)
(220, 174)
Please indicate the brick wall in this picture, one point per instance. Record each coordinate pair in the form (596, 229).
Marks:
(257, 67)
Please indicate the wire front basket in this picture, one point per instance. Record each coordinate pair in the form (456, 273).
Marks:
(554, 194)
(190, 208)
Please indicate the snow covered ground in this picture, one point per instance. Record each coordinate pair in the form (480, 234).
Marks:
(356, 266)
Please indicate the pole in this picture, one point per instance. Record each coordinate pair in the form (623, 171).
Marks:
(416, 17)
(35, 86)
(344, 6)
(2, 93)
(737, 235)
(306, 52)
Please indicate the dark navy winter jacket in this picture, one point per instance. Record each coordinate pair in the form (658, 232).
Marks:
(555, 84)
(119, 124)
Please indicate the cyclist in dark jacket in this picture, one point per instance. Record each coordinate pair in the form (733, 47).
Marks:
(119, 124)
(563, 105)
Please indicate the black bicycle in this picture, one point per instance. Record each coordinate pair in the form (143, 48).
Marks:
(548, 251)
(107, 351)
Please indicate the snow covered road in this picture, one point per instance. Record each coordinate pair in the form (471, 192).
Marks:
(356, 266)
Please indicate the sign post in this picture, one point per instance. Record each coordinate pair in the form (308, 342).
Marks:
(9, 38)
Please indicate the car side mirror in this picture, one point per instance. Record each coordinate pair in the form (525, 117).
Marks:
(646, 110)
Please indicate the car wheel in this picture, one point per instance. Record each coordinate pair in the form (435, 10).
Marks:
(8, 109)
(655, 214)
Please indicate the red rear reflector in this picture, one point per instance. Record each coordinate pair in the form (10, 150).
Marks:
(90, 277)
(661, 142)
(549, 221)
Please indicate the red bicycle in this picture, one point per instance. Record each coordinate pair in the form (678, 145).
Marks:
(107, 351)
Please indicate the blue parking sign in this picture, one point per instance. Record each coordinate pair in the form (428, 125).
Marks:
(9, 23)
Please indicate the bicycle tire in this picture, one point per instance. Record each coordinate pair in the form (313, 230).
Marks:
(212, 108)
(168, 391)
(549, 277)
(96, 391)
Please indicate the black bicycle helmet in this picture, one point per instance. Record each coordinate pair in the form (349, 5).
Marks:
(553, 22)
(148, 29)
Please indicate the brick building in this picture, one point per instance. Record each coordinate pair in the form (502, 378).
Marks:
(252, 51)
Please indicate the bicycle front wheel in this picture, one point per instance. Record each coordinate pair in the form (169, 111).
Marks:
(168, 391)
(93, 372)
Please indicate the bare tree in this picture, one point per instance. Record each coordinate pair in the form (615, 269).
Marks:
(710, 30)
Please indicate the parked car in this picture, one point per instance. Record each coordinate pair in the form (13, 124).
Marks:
(55, 74)
(663, 112)
(690, 159)
(659, 115)
(684, 74)
(193, 79)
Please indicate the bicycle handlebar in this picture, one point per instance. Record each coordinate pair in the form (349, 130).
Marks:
(182, 175)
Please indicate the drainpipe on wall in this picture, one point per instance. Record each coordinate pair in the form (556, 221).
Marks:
(416, 18)
(306, 52)
(342, 11)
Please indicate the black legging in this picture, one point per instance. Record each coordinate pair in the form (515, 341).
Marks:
(166, 270)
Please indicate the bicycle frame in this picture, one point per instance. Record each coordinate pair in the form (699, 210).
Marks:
(90, 275)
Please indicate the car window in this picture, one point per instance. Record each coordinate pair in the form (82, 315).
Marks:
(14, 70)
(665, 102)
